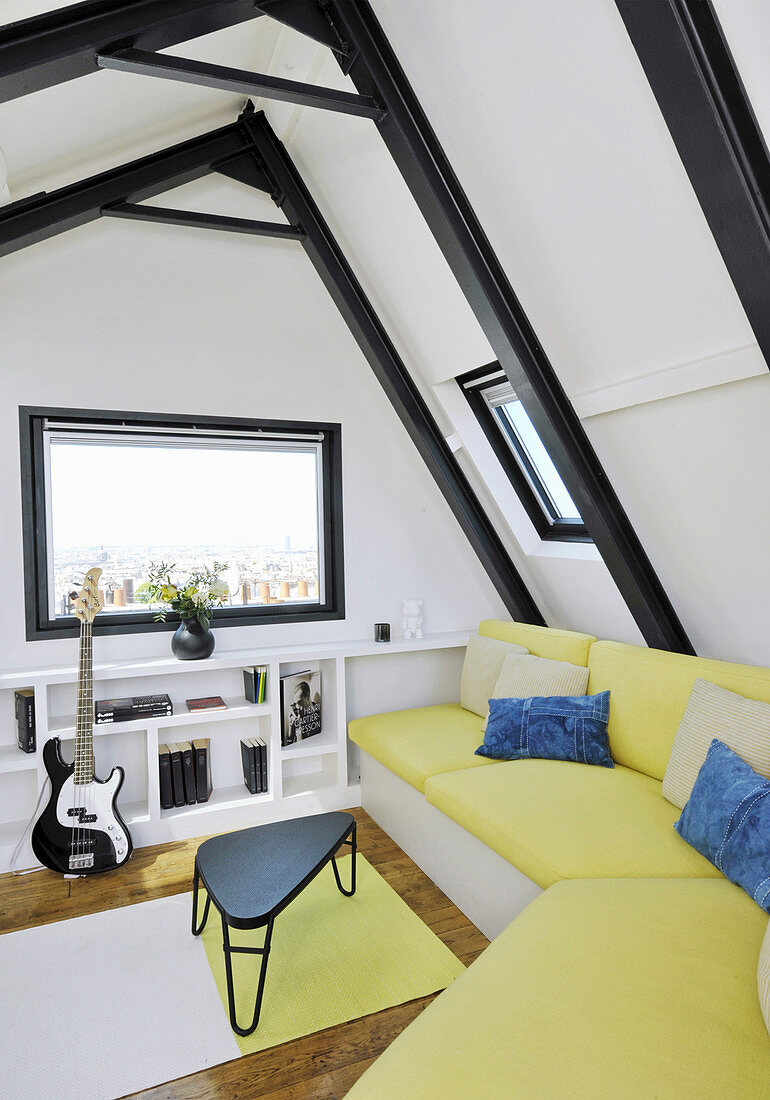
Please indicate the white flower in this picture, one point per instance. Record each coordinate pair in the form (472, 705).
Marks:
(219, 589)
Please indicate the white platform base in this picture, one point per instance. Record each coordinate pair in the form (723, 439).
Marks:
(484, 886)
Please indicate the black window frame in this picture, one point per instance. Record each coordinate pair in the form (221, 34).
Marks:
(521, 473)
(39, 624)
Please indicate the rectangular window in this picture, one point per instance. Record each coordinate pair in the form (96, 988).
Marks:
(522, 454)
(129, 491)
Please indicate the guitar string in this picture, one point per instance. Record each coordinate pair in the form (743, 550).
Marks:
(89, 737)
(73, 844)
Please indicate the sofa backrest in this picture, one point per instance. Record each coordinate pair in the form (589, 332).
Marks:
(649, 692)
(556, 645)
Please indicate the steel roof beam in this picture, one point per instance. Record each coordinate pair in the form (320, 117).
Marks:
(239, 81)
(47, 215)
(167, 216)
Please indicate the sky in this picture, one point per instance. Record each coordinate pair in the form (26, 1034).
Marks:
(128, 495)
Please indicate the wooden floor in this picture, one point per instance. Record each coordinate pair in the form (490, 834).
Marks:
(322, 1066)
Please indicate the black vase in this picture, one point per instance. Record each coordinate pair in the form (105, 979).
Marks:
(191, 642)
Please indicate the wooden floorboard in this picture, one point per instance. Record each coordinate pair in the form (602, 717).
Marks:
(322, 1066)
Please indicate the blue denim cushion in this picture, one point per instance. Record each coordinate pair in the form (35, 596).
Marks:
(560, 727)
(727, 820)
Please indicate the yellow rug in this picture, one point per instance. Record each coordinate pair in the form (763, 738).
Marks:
(332, 959)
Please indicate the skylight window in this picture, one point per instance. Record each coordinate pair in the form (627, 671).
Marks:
(522, 454)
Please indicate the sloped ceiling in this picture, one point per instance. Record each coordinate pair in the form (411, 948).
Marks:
(548, 120)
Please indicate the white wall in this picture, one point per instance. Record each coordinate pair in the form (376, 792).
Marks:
(130, 316)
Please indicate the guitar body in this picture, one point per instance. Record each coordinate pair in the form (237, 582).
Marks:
(80, 831)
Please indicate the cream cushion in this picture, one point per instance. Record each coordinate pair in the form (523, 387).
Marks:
(524, 676)
(742, 724)
(483, 660)
(763, 978)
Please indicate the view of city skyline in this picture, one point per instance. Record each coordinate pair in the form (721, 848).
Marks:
(126, 507)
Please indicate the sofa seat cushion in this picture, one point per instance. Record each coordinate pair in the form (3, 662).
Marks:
(416, 744)
(619, 989)
(557, 820)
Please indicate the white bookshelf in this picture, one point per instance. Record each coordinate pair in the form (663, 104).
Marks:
(309, 777)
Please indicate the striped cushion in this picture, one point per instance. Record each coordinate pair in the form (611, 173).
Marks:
(483, 660)
(714, 712)
(528, 677)
(763, 978)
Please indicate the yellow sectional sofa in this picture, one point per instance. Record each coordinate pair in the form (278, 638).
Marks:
(615, 989)
(635, 973)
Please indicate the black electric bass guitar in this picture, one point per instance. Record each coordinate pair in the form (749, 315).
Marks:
(80, 832)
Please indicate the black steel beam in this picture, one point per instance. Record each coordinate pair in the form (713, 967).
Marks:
(44, 216)
(700, 93)
(61, 45)
(166, 216)
(418, 155)
(357, 311)
(239, 81)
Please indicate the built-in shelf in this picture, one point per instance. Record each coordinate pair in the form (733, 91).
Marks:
(221, 798)
(12, 759)
(236, 708)
(323, 743)
(309, 777)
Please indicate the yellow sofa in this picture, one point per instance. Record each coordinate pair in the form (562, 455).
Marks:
(634, 974)
(624, 989)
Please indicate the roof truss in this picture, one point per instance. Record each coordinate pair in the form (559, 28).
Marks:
(69, 43)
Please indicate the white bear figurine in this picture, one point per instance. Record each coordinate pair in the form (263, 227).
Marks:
(411, 619)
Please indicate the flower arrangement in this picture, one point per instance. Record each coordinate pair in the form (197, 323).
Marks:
(194, 598)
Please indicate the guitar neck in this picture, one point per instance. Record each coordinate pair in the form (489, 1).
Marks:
(84, 728)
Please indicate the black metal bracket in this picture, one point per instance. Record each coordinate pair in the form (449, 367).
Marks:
(239, 81)
(167, 216)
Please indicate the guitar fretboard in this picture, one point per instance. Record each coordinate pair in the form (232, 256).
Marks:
(84, 726)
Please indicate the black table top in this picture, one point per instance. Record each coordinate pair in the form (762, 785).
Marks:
(254, 873)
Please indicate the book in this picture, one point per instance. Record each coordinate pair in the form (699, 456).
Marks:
(254, 742)
(209, 702)
(131, 708)
(263, 763)
(250, 685)
(300, 706)
(202, 759)
(177, 780)
(255, 684)
(166, 787)
(25, 719)
(248, 760)
(188, 773)
(261, 683)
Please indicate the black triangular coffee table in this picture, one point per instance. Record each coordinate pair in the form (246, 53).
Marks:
(253, 874)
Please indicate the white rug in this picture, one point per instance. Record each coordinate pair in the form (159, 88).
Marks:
(104, 1005)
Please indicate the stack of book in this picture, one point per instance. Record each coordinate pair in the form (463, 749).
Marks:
(25, 719)
(185, 773)
(255, 684)
(254, 760)
(128, 710)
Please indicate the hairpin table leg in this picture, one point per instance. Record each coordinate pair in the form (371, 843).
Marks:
(264, 951)
(197, 929)
(348, 893)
